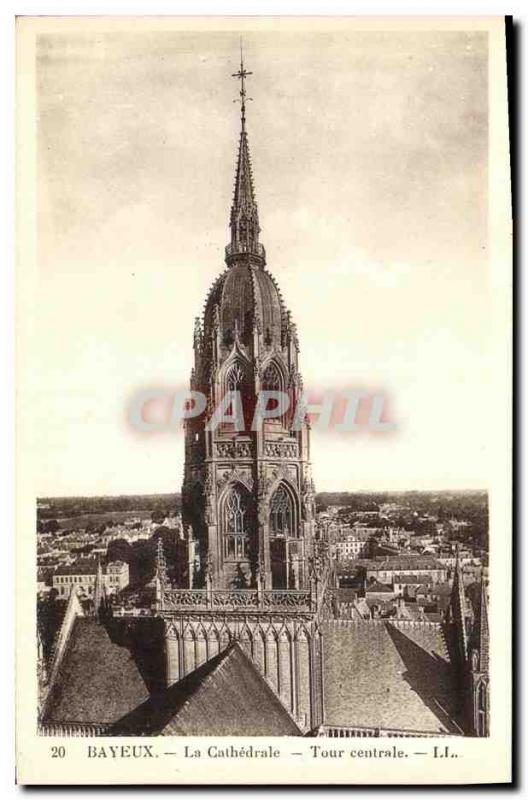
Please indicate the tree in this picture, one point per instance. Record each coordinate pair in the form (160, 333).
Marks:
(158, 516)
(50, 613)
(143, 563)
(119, 550)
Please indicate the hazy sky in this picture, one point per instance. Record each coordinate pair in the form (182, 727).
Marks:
(370, 163)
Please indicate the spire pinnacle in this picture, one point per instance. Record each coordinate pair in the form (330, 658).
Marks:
(161, 564)
(244, 222)
(99, 591)
(481, 632)
(458, 607)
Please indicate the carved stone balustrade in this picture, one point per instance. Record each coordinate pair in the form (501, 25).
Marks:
(280, 600)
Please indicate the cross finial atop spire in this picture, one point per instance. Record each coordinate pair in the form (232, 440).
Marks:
(241, 75)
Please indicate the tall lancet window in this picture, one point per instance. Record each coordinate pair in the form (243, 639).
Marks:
(236, 378)
(236, 525)
(282, 513)
(271, 380)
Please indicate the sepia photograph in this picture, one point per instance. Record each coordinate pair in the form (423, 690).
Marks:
(264, 329)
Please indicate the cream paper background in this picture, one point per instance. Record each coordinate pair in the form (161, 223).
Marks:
(480, 760)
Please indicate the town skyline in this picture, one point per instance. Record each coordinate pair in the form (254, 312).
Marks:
(377, 490)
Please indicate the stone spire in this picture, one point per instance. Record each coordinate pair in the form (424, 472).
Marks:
(160, 578)
(480, 638)
(244, 221)
(161, 563)
(457, 611)
(248, 343)
(99, 590)
(477, 698)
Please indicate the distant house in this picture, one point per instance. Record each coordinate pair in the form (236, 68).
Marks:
(407, 585)
(82, 574)
(389, 568)
(439, 595)
(379, 591)
(353, 542)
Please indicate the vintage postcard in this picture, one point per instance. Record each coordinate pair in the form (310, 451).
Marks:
(264, 375)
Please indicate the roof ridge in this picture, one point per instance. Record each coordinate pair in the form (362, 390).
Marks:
(225, 655)
(270, 686)
(207, 681)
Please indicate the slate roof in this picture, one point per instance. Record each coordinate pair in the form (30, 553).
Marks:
(83, 566)
(412, 580)
(346, 595)
(387, 674)
(377, 673)
(105, 679)
(396, 562)
(227, 696)
(232, 699)
(378, 587)
(101, 678)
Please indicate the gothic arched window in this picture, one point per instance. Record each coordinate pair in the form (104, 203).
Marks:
(271, 379)
(235, 525)
(236, 378)
(282, 513)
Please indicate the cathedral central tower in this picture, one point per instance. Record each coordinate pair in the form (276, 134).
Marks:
(248, 497)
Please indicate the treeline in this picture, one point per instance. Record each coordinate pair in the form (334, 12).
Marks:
(55, 507)
(444, 504)
(468, 506)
